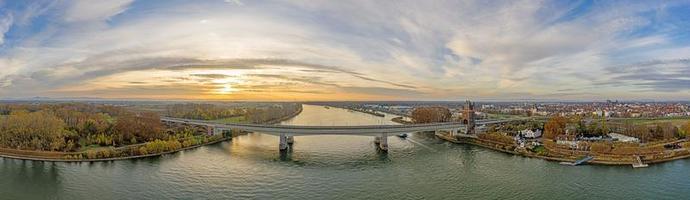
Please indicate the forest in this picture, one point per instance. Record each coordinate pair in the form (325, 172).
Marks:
(74, 126)
(83, 130)
(257, 113)
(203, 111)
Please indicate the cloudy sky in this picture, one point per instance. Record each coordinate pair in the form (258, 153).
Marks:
(346, 50)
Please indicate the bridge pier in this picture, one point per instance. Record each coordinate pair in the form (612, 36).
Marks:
(283, 142)
(218, 131)
(453, 132)
(383, 144)
(290, 140)
(286, 138)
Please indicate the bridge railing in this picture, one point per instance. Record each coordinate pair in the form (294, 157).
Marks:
(202, 122)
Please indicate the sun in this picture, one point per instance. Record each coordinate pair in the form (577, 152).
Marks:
(227, 88)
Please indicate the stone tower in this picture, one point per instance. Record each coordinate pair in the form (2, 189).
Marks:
(468, 117)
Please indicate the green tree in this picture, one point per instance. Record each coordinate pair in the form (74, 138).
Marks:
(685, 130)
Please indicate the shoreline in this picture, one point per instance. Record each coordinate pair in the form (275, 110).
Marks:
(44, 159)
(18, 156)
(377, 114)
(596, 160)
(400, 120)
(287, 117)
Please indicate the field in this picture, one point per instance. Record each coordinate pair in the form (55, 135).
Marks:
(501, 116)
(238, 119)
(677, 121)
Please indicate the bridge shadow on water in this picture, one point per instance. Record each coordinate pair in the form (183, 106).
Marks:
(333, 152)
(287, 156)
(382, 155)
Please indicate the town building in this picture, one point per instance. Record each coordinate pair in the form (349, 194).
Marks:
(623, 138)
(531, 134)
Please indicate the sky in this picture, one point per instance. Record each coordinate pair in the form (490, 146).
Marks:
(346, 50)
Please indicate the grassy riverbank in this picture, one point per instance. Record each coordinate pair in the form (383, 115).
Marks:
(104, 154)
(400, 120)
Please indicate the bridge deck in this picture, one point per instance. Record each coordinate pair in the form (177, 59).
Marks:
(326, 130)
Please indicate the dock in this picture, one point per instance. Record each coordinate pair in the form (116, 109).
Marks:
(578, 162)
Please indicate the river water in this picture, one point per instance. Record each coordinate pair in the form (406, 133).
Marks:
(339, 167)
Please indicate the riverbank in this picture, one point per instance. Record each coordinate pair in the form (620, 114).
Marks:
(53, 156)
(290, 116)
(561, 156)
(49, 156)
(374, 113)
(401, 120)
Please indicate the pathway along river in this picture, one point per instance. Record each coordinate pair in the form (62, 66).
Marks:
(339, 167)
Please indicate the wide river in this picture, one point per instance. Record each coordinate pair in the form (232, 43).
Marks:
(339, 167)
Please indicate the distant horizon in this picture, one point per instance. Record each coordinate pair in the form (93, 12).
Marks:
(317, 101)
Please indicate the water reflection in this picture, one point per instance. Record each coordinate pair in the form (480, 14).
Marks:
(382, 155)
(45, 178)
(338, 167)
(286, 155)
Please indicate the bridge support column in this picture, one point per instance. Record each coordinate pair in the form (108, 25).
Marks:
(283, 142)
(290, 140)
(209, 130)
(454, 132)
(218, 131)
(377, 140)
(384, 142)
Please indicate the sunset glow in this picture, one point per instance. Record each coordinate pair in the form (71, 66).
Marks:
(258, 50)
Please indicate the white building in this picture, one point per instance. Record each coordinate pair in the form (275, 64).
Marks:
(623, 138)
(528, 133)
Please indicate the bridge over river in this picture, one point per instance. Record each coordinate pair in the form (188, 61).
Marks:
(287, 132)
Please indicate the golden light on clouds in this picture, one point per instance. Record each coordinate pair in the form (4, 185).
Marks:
(334, 51)
(263, 82)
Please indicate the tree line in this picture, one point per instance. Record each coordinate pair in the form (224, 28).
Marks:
(431, 114)
(575, 126)
(71, 126)
(654, 132)
(253, 114)
(202, 111)
(271, 113)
